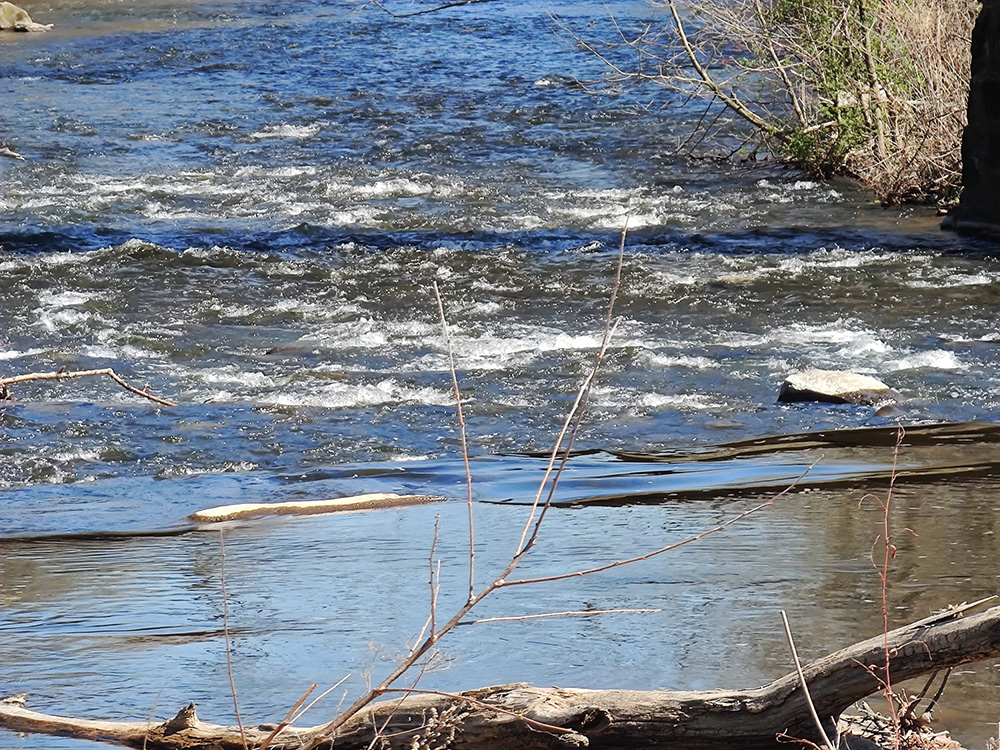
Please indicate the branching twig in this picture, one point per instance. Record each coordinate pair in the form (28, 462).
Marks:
(444, 6)
(572, 419)
(288, 718)
(63, 375)
(796, 105)
(639, 558)
(729, 100)
(465, 442)
(318, 698)
(372, 693)
(575, 613)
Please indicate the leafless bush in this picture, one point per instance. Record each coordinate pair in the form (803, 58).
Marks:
(875, 90)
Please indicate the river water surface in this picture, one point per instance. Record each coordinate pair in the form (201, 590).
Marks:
(245, 207)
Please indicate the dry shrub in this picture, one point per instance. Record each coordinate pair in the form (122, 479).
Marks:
(875, 89)
(925, 101)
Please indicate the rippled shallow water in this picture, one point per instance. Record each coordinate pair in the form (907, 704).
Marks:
(245, 206)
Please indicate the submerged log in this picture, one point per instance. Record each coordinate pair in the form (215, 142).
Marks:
(529, 718)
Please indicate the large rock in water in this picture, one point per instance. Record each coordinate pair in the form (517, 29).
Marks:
(13, 18)
(836, 387)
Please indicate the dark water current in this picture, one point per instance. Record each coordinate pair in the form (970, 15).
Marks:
(245, 206)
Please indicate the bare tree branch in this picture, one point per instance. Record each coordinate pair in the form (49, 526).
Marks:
(444, 6)
(63, 375)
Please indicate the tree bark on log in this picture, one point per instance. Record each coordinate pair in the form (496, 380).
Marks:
(521, 717)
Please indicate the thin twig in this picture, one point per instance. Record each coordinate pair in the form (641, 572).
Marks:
(729, 100)
(575, 414)
(805, 685)
(465, 442)
(939, 693)
(225, 634)
(889, 554)
(576, 613)
(372, 693)
(435, 9)
(778, 65)
(62, 375)
(639, 558)
(435, 576)
(287, 720)
(319, 697)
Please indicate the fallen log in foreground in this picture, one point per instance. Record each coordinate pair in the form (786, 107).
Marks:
(522, 717)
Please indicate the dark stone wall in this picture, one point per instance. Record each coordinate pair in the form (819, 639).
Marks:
(978, 211)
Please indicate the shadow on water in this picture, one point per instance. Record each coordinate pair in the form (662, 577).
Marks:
(795, 240)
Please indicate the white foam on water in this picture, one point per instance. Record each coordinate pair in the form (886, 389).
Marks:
(61, 318)
(488, 350)
(394, 188)
(360, 214)
(837, 257)
(286, 130)
(676, 402)
(665, 361)
(487, 286)
(318, 311)
(341, 395)
(798, 334)
(741, 340)
(225, 467)
(78, 455)
(160, 211)
(646, 401)
(481, 309)
(286, 171)
(231, 311)
(52, 260)
(115, 352)
(14, 354)
(664, 279)
(950, 280)
(862, 346)
(65, 299)
(799, 190)
(936, 359)
(232, 374)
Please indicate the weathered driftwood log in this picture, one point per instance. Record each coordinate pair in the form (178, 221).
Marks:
(511, 716)
(369, 501)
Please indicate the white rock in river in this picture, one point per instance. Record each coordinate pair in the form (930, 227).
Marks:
(836, 387)
(13, 18)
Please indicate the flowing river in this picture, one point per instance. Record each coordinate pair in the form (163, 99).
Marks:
(245, 208)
